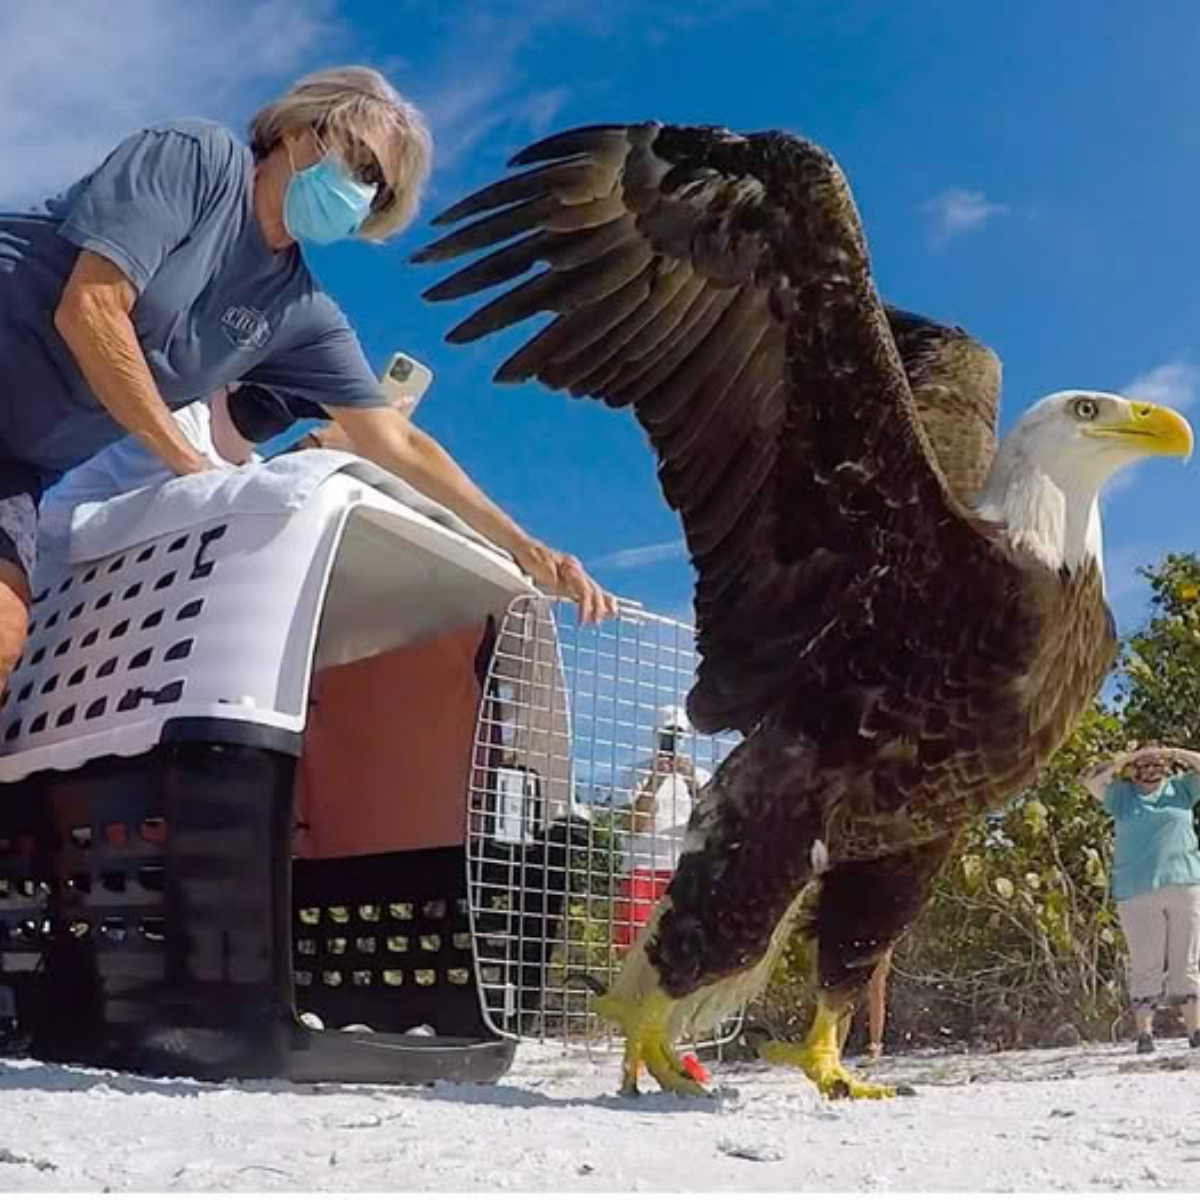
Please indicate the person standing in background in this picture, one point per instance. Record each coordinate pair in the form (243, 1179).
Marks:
(1150, 793)
(663, 791)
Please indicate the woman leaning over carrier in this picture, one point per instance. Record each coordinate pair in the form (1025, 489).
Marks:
(1150, 794)
(174, 269)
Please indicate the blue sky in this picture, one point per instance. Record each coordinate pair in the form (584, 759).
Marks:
(1028, 170)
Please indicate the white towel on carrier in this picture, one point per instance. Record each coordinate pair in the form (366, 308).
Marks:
(283, 484)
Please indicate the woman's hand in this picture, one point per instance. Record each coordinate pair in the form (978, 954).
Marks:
(563, 575)
(678, 763)
(1191, 757)
(389, 439)
(1117, 763)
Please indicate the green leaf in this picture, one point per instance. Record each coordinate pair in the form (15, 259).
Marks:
(972, 869)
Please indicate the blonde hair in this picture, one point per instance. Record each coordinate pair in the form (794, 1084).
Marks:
(353, 107)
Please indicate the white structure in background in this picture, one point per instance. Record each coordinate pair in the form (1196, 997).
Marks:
(661, 792)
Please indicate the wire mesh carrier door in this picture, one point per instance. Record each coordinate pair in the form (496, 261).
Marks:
(585, 774)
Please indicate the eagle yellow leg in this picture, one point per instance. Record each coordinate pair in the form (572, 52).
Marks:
(819, 1056)
(644, 1024)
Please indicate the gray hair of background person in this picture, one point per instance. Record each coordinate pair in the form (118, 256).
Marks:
(353, 108)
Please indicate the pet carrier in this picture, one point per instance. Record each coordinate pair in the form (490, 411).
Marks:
(324, 794)
(161, 909)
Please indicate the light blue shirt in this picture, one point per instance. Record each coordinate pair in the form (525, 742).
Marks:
(1155, 839)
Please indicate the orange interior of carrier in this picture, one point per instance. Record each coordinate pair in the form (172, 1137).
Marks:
(387, 750)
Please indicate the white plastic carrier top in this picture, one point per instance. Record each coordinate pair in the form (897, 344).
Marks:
(224, 609)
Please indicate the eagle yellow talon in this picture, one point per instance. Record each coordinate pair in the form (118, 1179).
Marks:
(819, 1057)
(645, 1028)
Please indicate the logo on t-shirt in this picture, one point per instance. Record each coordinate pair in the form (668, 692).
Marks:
(246, 327)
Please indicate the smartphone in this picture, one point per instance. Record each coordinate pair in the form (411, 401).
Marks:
(405, 381)
(666, 743)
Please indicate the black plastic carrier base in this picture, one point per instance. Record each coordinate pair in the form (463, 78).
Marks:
(152, 920)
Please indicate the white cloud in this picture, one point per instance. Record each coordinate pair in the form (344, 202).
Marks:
(642, 556)
(1176, 383)
(75, 79)
(476, 87)
(76, 76)
(957, 211)
(461, 116)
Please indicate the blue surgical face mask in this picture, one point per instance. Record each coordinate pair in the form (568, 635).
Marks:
(325, 203)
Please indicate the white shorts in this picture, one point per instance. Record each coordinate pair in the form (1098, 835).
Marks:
(1162, 929)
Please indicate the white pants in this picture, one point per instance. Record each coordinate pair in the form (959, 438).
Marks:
(1162, 929)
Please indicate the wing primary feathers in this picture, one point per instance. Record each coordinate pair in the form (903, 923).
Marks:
(587, 245)
(603, 380)
(693, 294)
(575, 181)
(707, 430)
(646, 346)
(691, 307)
(490, 230)
(567, 218)
(509, 262)
(562, 251)
(721, 571)
(705, 366)
(544, 213)
(554, 291)
(576, 366)
(580, 330)
(689, 334)
(587, 139)
(712, 521)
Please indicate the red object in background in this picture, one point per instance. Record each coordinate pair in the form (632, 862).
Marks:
(639, 892)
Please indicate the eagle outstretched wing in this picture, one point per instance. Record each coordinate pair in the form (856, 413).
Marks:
(813, 443)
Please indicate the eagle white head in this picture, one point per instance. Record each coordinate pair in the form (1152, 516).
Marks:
(1045, 481)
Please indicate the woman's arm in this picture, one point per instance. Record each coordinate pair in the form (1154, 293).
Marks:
(645, 800)
(390, 440)
(1099, 777)
(1189, 795)
(93, 319)
(1191, 757)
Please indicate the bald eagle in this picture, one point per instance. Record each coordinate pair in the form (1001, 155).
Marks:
(903, 618)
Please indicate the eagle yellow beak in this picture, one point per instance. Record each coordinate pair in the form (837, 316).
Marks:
(1149, 429)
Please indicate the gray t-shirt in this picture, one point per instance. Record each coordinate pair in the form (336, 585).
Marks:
(172, 207)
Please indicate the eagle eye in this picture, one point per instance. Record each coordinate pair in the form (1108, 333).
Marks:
(1086, 409)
